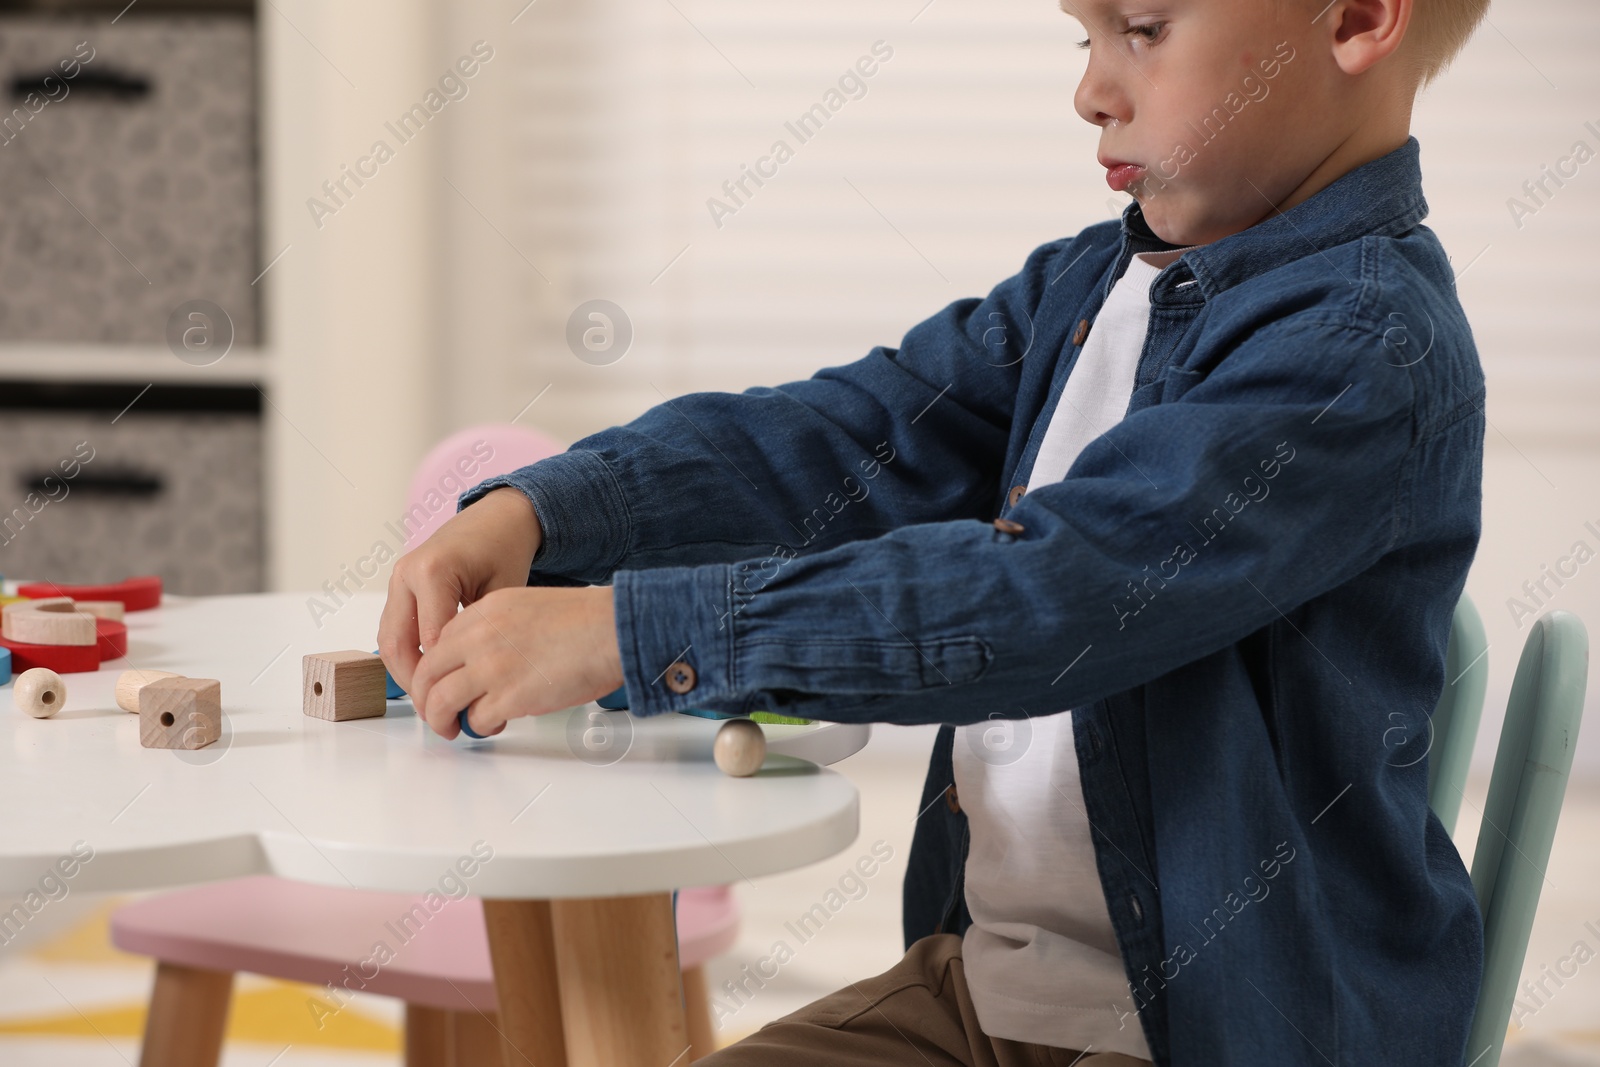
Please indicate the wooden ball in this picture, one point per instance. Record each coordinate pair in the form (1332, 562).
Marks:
(130, 682)
(740, 748)
(40, 692)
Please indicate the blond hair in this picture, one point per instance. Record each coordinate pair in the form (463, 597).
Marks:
(1439, 30)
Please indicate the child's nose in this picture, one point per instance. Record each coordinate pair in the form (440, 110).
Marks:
(1099, 100)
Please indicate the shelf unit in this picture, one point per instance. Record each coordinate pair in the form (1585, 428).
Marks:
(129, 363)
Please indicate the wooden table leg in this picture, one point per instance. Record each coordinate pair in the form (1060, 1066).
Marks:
(697, 1005)
(621, 993)
(188, 1014)
(523, 953)
(427, 1037)
(474, 1039)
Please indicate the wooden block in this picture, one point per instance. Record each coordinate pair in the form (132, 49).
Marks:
(180, 713)
(130, 682)
(40, 692)
(740, 748)
(342, 685)
(5, 666)
(102, 609)
(55, 621)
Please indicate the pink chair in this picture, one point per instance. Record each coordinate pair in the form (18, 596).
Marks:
(263, 925)
(461, 461)
(438, 963)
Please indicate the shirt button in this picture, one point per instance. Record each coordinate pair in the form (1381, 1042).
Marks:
(680, 677)
(1007, 526)
(1015, 494)
(1081, 332)
(951, 801)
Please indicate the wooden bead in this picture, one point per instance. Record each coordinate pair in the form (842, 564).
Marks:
(180, 713)
(130, 682)
(56, 621)
(740, 748)
(40, 692)
(342, 685)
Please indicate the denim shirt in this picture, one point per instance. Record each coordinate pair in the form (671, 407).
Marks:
(1243, 590)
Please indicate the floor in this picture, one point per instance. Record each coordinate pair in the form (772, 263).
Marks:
(67, 999)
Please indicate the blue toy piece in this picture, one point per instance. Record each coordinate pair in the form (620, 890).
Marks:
(5, 666)
(705, 713)
(391, 688)
(616, 700)
(462, 719)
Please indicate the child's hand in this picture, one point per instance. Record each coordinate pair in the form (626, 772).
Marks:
(515, 652)
(488, 546)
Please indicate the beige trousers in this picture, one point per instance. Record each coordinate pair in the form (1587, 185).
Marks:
(918, 1013)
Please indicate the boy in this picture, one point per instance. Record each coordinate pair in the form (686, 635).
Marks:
(1224, 455)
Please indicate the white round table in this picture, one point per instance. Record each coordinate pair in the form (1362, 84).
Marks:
(576, 826)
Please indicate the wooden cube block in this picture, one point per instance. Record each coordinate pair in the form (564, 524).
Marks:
(180, 713)
(342, 685)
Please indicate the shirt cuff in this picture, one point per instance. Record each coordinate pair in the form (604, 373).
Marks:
(581, 512)
(675, 634)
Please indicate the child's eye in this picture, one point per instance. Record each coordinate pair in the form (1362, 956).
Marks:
(1149, 32)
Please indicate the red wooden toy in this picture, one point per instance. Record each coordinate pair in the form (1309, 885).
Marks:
(63, 659)
(136, 594)
(112, 638)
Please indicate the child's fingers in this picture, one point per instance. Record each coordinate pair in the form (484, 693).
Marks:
(447, 696)
(397, 634)
(438, 596)
(446, 656)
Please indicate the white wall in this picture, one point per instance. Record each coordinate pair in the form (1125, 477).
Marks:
(353, 305)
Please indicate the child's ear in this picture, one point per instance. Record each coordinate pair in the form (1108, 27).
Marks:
(1366, 32)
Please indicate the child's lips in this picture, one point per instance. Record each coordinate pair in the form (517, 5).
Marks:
(1120, 175)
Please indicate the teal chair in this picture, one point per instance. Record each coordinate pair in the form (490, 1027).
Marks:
(1455, 719)
(1519, 820)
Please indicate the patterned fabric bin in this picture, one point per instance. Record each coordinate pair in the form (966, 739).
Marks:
(172, 486)
(128, 165)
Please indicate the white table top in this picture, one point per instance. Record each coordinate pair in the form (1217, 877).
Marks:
(384, 803)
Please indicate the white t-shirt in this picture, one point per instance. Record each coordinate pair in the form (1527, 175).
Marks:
(1041, 958)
